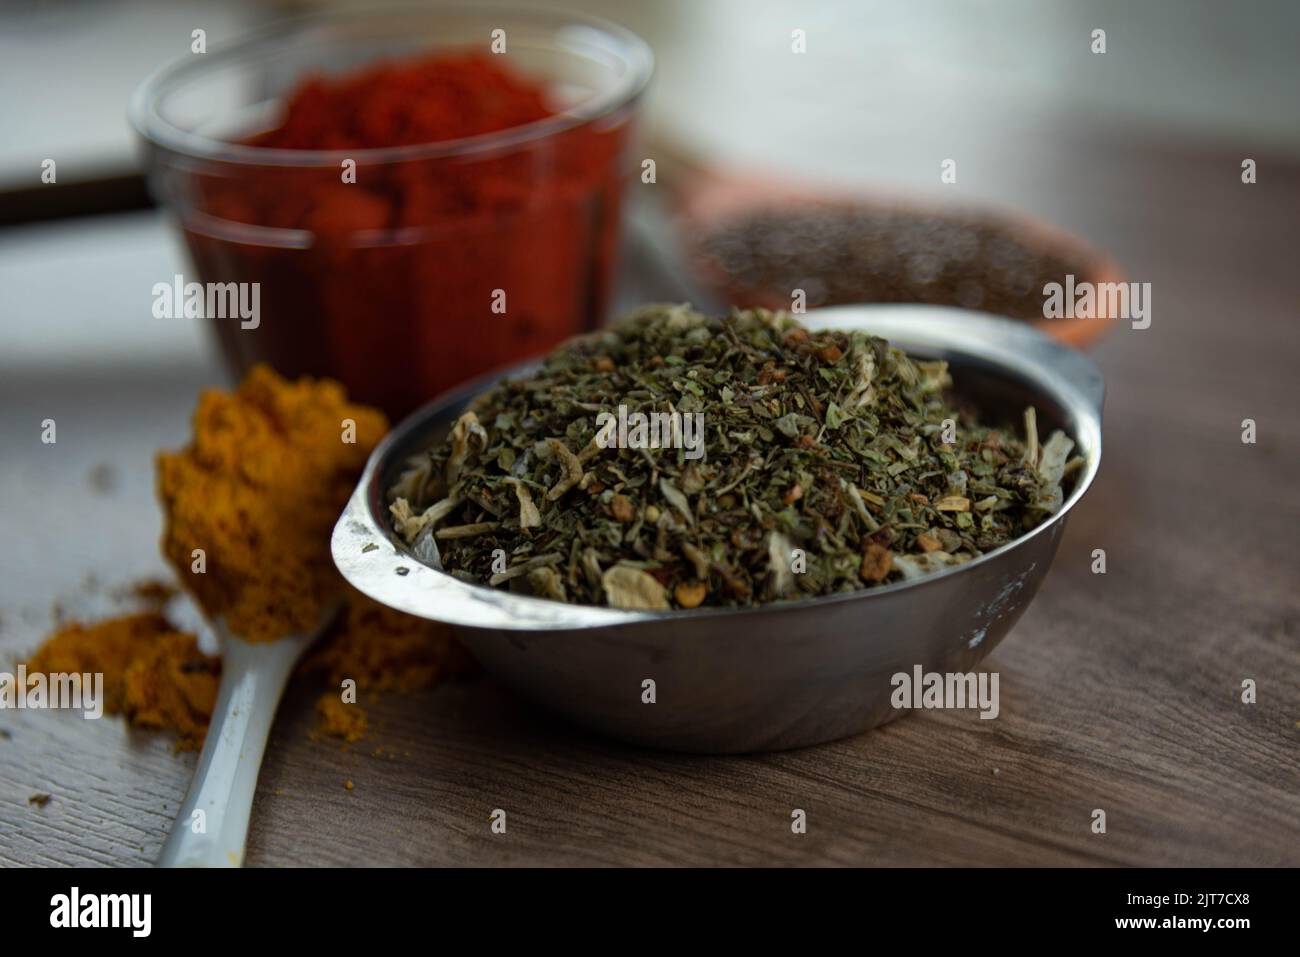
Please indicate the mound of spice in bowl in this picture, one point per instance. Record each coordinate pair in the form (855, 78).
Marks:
(679, 460)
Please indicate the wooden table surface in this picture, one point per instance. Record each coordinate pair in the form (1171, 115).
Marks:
(1119, 691)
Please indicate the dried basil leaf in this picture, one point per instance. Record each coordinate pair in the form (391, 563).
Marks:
(628, 587)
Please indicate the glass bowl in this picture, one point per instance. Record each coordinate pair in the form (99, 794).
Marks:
(442, 260)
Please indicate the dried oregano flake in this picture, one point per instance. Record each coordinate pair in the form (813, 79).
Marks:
(824, 469)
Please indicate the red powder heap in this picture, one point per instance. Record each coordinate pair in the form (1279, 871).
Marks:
(399, 104)
(414, 273)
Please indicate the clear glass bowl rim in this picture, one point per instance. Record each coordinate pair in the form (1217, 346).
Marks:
(618, 41)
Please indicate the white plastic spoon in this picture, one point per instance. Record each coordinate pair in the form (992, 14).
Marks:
(253, 676)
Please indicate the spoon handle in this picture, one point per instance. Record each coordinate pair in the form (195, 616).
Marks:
(212, 823)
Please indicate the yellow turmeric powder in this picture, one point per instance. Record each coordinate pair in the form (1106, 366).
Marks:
(385, 650)
(250, 504)
(156, 676)
(153, 674)
(258, 491)
(381, 650)
(339, 720)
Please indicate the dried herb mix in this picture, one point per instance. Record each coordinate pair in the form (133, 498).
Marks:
(825, 470)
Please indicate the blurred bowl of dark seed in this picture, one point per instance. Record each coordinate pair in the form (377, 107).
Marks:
(841, 252)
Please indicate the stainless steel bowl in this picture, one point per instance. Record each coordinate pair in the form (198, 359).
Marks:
(778, 676)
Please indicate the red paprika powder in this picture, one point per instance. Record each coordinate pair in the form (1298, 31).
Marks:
(448, 249)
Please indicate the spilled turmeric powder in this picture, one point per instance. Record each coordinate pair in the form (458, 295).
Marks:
(154, 674)
(385, 650)
(381, 650)
(250, 503)
(339, 720)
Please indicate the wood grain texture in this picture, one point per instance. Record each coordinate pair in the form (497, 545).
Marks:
(1119, 692)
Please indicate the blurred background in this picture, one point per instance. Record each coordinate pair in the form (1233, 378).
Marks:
(883, 87)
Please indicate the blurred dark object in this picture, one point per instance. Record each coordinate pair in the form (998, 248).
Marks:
(843, 254)
(111, 194)
(753, 239)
